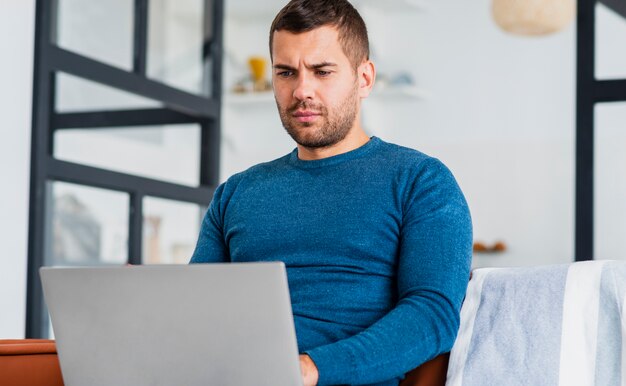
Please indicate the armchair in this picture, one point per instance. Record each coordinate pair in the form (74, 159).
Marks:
(29, 362)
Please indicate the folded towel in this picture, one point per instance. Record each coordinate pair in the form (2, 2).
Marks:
(558, 325)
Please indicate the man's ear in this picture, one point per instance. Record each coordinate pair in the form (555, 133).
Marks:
(367, 76)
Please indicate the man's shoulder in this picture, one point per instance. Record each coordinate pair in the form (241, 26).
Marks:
(405, 157)
(411, 168)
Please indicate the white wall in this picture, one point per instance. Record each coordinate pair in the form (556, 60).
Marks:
(501, 115)
(17, 23)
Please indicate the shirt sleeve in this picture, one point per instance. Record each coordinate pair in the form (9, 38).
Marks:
(211, 247)
(433, 271)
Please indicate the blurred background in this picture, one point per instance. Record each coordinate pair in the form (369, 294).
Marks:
(120, 117)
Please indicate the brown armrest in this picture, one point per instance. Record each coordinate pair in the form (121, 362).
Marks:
(431, 373)
(29, 362)
(27, 347)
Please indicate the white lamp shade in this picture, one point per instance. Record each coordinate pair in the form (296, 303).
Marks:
(533, 17)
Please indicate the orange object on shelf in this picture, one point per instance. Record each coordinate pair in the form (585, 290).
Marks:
(258, 67)
(497, 247)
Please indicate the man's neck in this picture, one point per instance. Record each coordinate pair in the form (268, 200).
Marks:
(355, 139)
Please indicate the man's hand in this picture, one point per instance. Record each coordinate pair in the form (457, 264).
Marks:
(309, 370)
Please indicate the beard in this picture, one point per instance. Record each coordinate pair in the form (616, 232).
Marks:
(330, 128)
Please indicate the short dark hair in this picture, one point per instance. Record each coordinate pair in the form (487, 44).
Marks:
(305, 15)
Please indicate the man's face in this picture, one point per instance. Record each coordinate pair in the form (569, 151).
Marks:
(315, 86)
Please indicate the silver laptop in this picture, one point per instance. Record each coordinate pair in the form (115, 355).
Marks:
(208, 324)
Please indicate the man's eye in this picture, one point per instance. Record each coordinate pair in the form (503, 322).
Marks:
(285, 74)
(323, 73)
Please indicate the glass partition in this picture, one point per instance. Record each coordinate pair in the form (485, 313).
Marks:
(175, 44)
(100, 30)
(610, 42)
(170, 230)
(610, 182)
(85, 225)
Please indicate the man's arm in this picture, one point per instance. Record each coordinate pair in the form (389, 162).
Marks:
(211, 247)
(433, 270)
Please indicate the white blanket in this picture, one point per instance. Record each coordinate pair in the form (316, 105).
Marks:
(558, 325)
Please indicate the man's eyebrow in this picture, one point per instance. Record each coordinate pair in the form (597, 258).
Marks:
(323, 64)
(283, 67)
(313, 66)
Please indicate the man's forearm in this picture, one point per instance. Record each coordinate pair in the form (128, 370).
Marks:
(412, 333)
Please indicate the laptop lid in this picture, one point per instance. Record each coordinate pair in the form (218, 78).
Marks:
(201, 324)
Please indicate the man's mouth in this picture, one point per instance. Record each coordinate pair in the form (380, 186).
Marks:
(306, 115)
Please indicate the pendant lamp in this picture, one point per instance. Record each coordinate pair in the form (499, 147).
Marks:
(533, 17)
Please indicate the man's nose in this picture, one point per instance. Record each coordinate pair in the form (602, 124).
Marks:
(305, 89)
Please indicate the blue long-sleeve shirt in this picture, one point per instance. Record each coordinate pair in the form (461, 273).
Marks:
(377, 245)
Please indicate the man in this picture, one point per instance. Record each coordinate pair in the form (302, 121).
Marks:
(376, 238)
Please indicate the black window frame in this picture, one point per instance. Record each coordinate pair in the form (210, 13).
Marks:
(589, 92)
(179, 107)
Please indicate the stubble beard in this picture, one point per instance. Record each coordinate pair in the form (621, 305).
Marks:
(333, 128)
